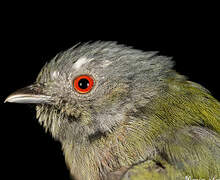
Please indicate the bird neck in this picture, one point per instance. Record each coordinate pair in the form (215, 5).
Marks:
(118, 150)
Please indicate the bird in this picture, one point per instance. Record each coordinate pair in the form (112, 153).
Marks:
(124, 113)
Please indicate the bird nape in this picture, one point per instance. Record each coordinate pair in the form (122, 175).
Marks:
(121, 113)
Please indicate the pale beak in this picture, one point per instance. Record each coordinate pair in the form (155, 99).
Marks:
(31, 95)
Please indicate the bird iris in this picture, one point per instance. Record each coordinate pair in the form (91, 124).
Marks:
(83, 83)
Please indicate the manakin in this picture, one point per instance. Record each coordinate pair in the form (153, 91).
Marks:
(121, 113)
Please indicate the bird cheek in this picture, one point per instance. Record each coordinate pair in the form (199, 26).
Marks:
(86, 119)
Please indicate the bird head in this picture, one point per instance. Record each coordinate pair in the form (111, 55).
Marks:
(89, 90)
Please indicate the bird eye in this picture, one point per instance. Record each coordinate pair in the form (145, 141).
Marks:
(83, 84)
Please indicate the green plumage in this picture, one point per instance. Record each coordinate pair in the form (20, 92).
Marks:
(184, 128)
(141, 120)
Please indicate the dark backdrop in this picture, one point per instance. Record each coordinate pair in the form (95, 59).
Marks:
(29, 38)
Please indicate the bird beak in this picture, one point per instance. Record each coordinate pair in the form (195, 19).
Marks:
(31, 95)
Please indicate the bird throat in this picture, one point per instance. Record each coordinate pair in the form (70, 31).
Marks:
(105, 154)
(99, 154)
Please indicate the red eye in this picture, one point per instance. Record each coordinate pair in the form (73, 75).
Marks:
(83, 84)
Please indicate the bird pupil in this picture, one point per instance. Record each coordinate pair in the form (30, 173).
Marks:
(83, 83)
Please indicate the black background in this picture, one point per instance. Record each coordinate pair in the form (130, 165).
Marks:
(32, 35)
